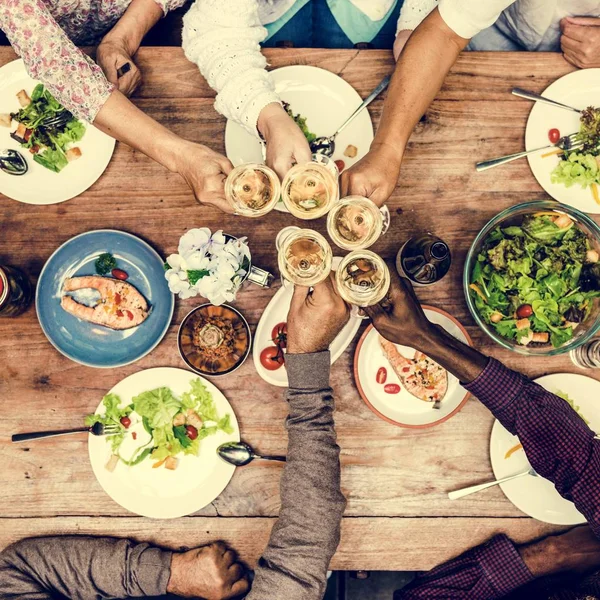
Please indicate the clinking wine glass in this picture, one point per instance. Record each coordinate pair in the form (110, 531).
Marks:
(309, 190)
(252, 189)
(355, 222)
(362, 278)
(304, 256)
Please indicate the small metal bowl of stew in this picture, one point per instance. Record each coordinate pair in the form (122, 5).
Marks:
(214, 340)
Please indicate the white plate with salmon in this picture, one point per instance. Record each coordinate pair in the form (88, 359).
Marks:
(102, 299)
(403, 386)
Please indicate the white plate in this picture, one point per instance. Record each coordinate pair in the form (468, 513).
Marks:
(578, 89)
(161, 493)
(535, 496)
(40, 185)
(325, 99)
(277, 312)
(404, 409)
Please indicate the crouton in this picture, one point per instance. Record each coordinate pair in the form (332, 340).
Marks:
(540, 338)
(5, 119)
(592, 256)
(179, 419)
(496, 317)
(23, 98)
(193, 418)
(351, 151)
(522, 324)
(171, 463)
(112, 463)
(73, 154)
(524, 340)
(563, 221)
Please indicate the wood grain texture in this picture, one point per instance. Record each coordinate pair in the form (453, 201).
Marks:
(395, 479)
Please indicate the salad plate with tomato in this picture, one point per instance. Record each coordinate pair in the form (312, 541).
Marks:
(110, 260)
(386, 393)
(270, 339)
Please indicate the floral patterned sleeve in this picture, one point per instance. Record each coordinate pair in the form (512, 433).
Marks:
(50, 56)
(168, 5)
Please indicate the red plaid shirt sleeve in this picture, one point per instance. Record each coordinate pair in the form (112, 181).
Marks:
(489, 571)
(558, 443)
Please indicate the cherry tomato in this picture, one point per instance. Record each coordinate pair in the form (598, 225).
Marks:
(271, 358)
(391, 388)
(191, 432)
(279, 335)
(381, 375)
(126, 422)
(340, 164)
(524, 311)
(554, 135)
(119, 274)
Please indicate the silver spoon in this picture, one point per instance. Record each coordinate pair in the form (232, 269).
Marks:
(13, 162)
(240, 454)
(538, 98)
(484, 486)
(326, 144)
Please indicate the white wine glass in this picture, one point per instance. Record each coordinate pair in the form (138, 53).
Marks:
(362, 278)
(304, 256)
(252, 189)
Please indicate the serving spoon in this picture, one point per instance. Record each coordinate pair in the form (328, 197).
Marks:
(13, 162)
(326, 144)
(240, 454)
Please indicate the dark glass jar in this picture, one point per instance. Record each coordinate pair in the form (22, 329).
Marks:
(424, 259)
(16, 291)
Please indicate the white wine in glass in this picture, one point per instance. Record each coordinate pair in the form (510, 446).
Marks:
(311, 189)
(304, 257)
(362, 278)
(355, 223)
(252, 189)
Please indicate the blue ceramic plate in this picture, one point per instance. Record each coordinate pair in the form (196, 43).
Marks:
(93, 345)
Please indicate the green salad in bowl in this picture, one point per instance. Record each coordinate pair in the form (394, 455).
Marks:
(532, 278)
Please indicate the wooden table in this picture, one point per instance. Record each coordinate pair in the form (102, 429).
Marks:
(395, 479)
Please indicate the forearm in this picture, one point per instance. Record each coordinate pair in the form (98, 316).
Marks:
(136, 22)
(425, 61)
(306, 535)
(83, 567)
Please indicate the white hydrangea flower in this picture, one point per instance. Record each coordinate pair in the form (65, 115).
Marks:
(195, 240)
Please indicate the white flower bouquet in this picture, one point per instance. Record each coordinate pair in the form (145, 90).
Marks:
(210, 265)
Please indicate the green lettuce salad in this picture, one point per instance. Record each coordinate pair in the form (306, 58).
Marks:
(582, 166)
(301, 122)
(48, 130)
(537, 281)
(176, 425)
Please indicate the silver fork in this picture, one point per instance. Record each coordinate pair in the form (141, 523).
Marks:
(57, 120)
(484, 486)
(567, 142)
(95, 429)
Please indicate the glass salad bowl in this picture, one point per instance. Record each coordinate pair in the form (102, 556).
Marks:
(532, 278)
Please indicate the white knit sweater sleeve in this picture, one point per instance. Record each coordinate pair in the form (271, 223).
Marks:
(413, 12)
(222, 37)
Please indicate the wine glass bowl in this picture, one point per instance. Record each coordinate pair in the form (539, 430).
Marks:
(304, 257)
(252, 189)
(362, 278)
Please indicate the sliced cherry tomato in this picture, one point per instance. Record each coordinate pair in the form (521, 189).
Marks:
(524, 311)
(119, 313)
(391, 388)
(126, 422)
(381, 375)
(279, 335)
(119, 274)
(554, 135)
(340, 164)
(271, 358)
(117, 299)
(129, 315)
(191, 432)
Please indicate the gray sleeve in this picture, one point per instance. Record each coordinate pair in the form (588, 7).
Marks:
(306, 535)
(82, 567)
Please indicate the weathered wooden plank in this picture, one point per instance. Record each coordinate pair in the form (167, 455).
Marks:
(406, 544)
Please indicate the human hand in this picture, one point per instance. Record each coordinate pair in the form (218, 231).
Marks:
(205, 172)
(112, 54)
(374, 176)
(580, 41)
(315, 318)
(399, 317)
(286, 144)
(400, 42)
(210, 572)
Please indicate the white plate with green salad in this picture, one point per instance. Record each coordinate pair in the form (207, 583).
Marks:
(536, 496)
(574, 178)
(163, 463)
(64, 155)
